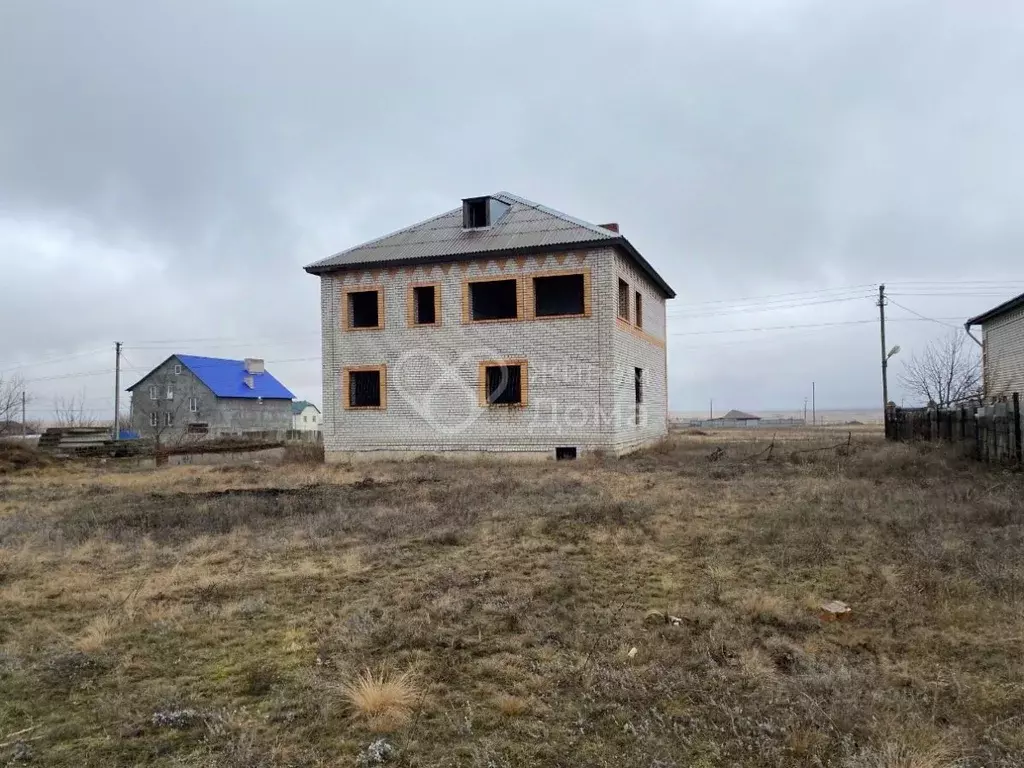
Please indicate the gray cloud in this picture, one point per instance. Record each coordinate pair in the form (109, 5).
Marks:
(166, 168)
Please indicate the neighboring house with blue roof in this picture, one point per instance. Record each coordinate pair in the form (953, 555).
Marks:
(193, 395)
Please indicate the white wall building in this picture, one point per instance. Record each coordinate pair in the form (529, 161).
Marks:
(500, 326)
(1002, 348)
(305, 416)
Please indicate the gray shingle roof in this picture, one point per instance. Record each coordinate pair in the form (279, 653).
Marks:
(1007, 306)
(740, 415)
(525, 227)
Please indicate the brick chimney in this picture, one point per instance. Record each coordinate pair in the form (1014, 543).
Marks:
(613, 226)
(254, 365)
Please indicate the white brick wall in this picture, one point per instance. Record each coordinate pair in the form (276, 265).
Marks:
(639, 348)
(580, 385)
(1004, 355)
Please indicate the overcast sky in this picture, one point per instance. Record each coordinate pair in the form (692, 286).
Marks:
(167, 168)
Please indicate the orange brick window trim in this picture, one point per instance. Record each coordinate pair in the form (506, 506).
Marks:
(622, 306)
(467, 298)
(346, 389)
(524, 382)
(410, 305)
(531, 297)
(346, 309)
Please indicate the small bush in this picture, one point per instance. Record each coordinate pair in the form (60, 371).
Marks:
(384, 699)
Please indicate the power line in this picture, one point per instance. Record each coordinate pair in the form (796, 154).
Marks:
(52, 360)
(791, 296)
(922, 317)
(787, 327)
(685, 313)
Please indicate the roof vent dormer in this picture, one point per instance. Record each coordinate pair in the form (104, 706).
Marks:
(482, 212)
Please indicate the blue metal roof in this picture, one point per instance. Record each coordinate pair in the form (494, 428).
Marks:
(227, 378)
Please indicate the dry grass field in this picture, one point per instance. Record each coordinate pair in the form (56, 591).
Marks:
(658, 610)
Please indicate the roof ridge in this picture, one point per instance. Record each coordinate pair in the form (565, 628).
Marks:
(374, 241)
(557, 214)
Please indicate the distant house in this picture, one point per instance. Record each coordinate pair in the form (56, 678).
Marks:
(499, 326)
(305, 416)
(735, 419)
(1002, 348)
(191, 395)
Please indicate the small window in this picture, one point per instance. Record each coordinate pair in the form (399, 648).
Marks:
(504, 383)
(365, 387)
(564, 453)
(170, 392)
(425, 305)
(639, 310)
(364, 309)
(638, 385)
(193, 404)
(198, 428)
(154, 392)
(474, 213)
(177, 369)
(494, 300)
(559, 295)
(168, 419)
(623, 299)
(154, 419)
(305, 419)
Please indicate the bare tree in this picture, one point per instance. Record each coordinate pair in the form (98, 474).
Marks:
(70, 412)
(11, 391)
(947, 372)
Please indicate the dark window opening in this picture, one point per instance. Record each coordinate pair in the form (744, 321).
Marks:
(638, 383)
(364, 389)
(565, 452)
(474, 213)
(639, 310)
(504, 384)
(558, 295)
(423, 301)
(494, 300)
(363, 309)
(623, 299)
(198, 428)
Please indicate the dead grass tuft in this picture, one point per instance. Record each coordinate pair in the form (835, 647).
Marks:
(512, 706)
(97, 634)
(385, 699)
(901, 755)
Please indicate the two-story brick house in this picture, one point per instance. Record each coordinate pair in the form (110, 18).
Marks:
(502, 325)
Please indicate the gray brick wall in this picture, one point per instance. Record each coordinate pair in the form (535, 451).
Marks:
(432, 373)
(1004, 355)
(223, 415)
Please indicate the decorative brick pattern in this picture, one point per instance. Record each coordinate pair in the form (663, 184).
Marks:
(579, 368)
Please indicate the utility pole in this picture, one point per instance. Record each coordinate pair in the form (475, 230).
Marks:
(805, 410)
(814, 406)
(885, 357)
(117, 390)
(711, 408)
(23, 428)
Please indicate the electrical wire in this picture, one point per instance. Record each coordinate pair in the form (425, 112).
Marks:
(922, 317)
